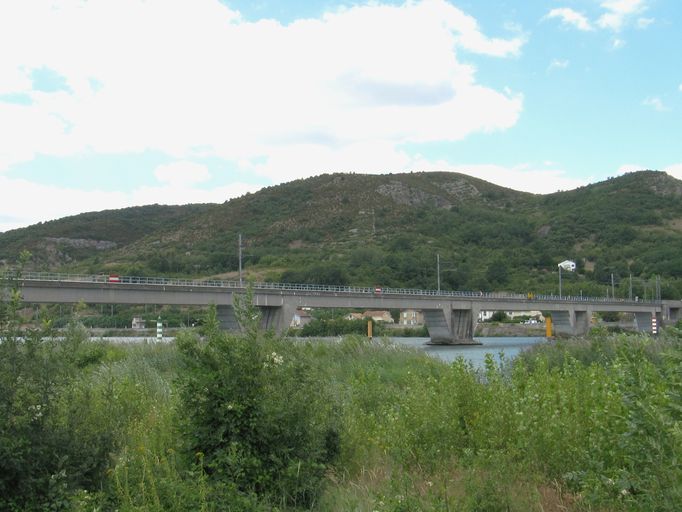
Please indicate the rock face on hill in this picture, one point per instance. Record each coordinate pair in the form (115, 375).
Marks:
(449, 193)
(388, 229)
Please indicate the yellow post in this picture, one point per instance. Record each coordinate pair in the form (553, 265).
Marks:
(548, 327)
(369, 329)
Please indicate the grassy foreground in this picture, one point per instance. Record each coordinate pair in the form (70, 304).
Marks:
(256, 423)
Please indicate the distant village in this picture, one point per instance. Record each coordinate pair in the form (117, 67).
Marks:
(406, 318)
(415, 317)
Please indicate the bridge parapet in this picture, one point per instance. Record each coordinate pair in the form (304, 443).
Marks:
(450, 315)
(311, 288)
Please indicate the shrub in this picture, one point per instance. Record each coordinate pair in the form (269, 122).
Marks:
(53, 438)
(258, 413)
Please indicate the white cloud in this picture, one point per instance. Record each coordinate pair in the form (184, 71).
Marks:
(629, 168)
(680, 88)
(618, 12)
(643, 23)
(674, 170)
(571, 17)
(52, 202)
(376, 158)
(656, 103)
(617, 44)
(525, 177)
(558, 64)
(47, 202)
(180, 174)
(338, 93)
(193, 78)
(616, 15)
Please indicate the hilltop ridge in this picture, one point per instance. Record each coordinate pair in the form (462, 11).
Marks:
(367, 229)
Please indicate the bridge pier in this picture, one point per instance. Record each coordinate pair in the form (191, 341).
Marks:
(643, 321)
(671, 314)
(571, 322)
(451, 326)
(277, 318)
(227, 319)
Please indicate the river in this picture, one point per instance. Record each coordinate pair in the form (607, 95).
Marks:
(510, 347)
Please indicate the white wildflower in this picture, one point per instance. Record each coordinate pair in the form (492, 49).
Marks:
(273, 359)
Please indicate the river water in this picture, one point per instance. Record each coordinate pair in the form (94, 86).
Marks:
(510, 347)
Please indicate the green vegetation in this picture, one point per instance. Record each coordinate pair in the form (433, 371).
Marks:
(114, 316)
(251, 422)
(387, 229)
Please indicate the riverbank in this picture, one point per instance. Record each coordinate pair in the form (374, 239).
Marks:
(350, 425)
(487, 329)
(508, 330)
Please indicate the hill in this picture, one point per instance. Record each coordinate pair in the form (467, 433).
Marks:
(388, 229)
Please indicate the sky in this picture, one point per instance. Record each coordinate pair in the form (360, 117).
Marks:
(108, 104)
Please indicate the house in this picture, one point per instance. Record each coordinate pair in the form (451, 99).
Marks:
(139, 323)
(486, 316)
(535, 315)
(379, 316)
(354, 316)
(411, 317)
(301, 318)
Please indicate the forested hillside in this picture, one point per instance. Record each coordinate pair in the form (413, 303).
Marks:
(387, 229)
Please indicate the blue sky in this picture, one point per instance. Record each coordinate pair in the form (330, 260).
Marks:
(112, 104)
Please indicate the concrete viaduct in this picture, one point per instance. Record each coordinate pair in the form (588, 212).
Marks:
(450, 316)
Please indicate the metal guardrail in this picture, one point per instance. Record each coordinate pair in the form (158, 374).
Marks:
(310, 288)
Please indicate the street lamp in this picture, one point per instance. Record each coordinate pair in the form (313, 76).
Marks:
(566, 265)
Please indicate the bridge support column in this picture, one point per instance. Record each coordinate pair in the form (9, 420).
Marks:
(643, 321)
(671, 315)
(227, 319)
(571, 322)
(582, 322)
(277, 318)
(448, 326)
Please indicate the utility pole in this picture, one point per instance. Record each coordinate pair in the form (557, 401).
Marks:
(559, 281)
(240, 260)
(613, 288)
(658, 288)
(630, 292)
(438, 270)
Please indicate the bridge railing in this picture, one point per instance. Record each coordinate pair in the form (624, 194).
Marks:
(307, 288)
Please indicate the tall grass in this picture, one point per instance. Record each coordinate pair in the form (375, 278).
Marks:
(253, 422)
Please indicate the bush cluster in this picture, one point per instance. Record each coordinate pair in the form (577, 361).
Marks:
(258, 414)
